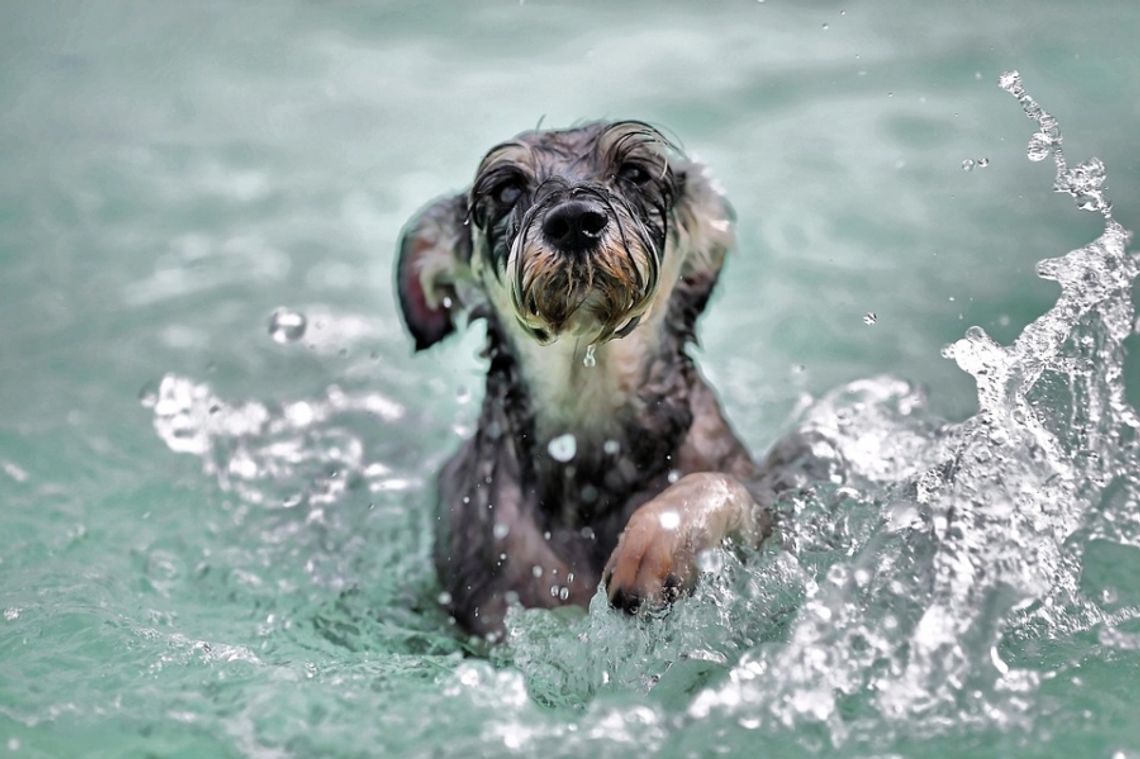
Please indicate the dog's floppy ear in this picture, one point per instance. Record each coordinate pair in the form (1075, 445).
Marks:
(706, 219)
(705, 231)
(435, 253)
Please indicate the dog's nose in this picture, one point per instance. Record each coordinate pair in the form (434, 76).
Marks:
(575, 225)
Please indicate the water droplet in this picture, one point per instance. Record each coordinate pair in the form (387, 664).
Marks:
(870, 318)
(670, 520)
(674, 475)
(285, 326)
(1038, 147)
(612, 446)
(536, 570)
(148, 395)
(1009, 80)
(563, 593)
(968, 164)
(463, 394)
(563, 448)
(711, 561)
(444, 598)
(1108, 595)
(501, 530)
(826, 26)
(983, 163)
(589, 360)
(11, 613)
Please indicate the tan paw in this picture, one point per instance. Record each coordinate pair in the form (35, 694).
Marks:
(654, 562)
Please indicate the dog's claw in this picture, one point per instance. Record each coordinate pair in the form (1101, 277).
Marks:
(630, 603)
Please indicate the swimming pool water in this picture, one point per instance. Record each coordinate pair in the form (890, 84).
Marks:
(215, 543)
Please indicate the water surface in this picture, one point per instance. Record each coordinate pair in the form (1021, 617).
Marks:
(215, 543)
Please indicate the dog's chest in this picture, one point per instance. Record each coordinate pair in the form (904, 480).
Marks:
(590, 395)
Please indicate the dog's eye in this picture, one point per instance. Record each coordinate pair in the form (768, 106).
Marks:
(634, 173)
(508, 193)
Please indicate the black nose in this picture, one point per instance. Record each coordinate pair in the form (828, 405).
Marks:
(574, 225)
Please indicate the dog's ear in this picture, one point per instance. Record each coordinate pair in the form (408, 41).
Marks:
(707, 221)
(435, 253)
(705, 234)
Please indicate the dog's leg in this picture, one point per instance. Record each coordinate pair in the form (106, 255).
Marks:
(656, 556)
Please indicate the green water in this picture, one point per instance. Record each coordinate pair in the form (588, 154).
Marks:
(174, 172)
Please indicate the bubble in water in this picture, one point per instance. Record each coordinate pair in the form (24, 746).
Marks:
(1038, 147)
(870, 318)
(286, 326)
(589, 360)
(563, 448)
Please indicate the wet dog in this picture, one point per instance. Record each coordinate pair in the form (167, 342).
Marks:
(601, 454)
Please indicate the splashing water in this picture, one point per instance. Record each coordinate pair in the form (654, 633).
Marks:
(930, 588)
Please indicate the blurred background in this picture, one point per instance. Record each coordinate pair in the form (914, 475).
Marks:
(175, 172)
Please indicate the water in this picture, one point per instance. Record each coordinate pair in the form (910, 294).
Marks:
(216, 449)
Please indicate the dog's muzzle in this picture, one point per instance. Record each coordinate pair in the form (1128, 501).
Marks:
(583, 266)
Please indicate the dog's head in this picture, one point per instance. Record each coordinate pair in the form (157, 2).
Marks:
(580, 232)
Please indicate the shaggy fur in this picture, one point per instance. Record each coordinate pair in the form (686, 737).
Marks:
(657, 473)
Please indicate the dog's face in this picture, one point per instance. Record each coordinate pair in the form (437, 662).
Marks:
(570, 232)
(571, 227)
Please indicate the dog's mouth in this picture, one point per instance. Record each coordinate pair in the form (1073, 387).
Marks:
(597, 290)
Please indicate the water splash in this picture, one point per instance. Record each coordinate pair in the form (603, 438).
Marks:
(293, 453)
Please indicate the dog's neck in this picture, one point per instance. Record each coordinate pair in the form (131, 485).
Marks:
(587, 391)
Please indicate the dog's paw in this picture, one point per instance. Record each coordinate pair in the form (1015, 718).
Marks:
(655, 559)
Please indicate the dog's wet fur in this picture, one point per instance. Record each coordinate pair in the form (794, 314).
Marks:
(602, 235)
